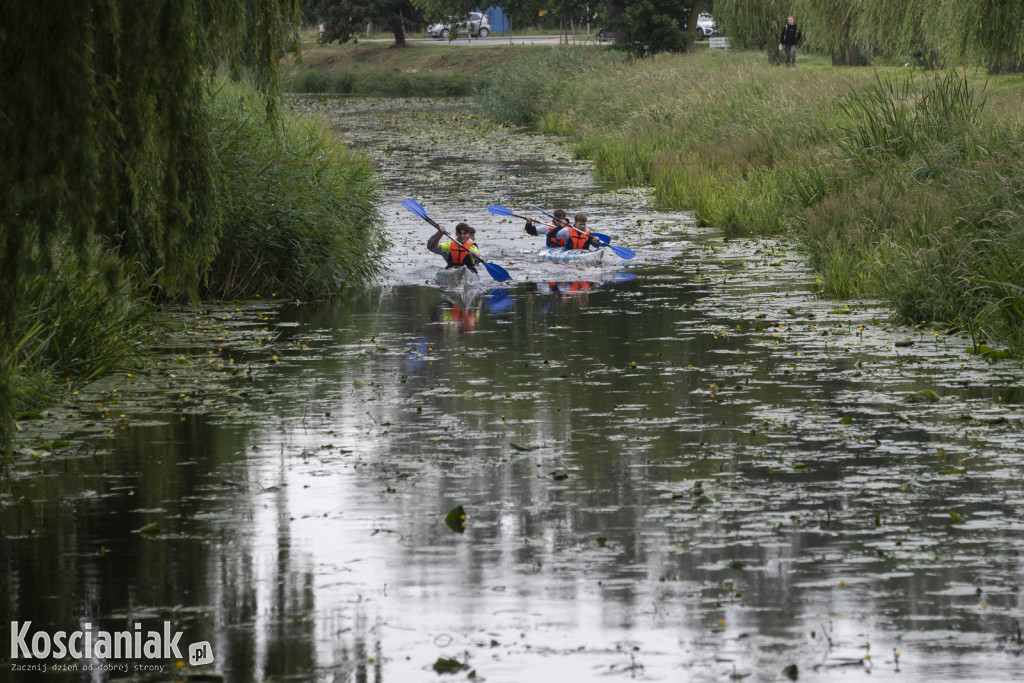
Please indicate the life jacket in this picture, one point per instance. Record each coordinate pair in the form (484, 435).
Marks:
(578, 239)
(458, 255)
(551, 240)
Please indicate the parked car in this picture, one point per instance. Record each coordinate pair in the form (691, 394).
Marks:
(706, 27)
(475, 25)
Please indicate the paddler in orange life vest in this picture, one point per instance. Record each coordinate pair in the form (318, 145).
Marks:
(456, 253)
(559, 222)
(578, 236)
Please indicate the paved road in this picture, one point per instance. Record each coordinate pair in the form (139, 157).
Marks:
(495, 40)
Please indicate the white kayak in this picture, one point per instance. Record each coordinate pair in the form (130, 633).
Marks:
(457, 278)
(580, 257)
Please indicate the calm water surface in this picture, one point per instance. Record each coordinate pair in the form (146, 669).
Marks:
(686, 466)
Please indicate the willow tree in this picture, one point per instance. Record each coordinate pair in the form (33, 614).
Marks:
(103, 133)
(986, 32)
(753, 24)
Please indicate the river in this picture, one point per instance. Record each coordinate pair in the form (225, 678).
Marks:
(688, 465)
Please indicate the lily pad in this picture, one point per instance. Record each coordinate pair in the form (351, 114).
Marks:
(443, 665)
(456, 519)
(923, 395)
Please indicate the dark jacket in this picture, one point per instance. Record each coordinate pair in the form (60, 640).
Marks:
(790, 35)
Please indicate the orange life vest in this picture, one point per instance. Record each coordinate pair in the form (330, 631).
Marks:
(551, 240)
(578, 239)
(458, 254)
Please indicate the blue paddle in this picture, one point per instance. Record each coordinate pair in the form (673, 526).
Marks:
(621, 252)
(495, 271)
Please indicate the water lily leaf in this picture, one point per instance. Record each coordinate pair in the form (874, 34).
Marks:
(456, 519)
(153, 528)
(846, 421)
(30, 415)
(601, 541)
(957, 519)
(904, 342)
(358, 383)
(953, 470)
(923, 395)
(443, 665)
(517, 447)
(980, 348)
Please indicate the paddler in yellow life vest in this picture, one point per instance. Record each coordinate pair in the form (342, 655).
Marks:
(578, 236)
(457, 252)
(550, 240)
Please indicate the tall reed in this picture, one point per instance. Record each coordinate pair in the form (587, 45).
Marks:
(299, 210)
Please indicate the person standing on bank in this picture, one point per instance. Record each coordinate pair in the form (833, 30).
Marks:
(788, 41)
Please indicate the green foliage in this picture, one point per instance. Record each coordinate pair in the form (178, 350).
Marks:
(69, 329)
(652, 26)
(898, 119)
(345, 19)
(299, 211)
(973, 33)
(520, 91)
(384, 82)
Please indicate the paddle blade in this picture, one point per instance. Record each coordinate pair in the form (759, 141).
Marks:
(543, 211)
(414, 206)
(500, 210)
(621, 252)
(497, 272)
(601, 236)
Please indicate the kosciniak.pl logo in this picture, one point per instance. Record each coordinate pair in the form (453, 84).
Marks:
(92, 644)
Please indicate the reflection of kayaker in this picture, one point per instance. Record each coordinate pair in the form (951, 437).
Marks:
(462, 318)
(574, 290)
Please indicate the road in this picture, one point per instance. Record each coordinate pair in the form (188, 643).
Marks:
(493, 40)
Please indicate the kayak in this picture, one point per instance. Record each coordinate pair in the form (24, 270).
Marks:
(457, 278)
(580, 257)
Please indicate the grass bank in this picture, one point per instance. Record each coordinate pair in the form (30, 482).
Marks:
(899, 184)
(380, 69)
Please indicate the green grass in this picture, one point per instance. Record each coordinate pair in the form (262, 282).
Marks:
(899, 184)
(380, 69)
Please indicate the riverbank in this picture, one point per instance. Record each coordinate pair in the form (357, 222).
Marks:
(899, 184)
(423, 68)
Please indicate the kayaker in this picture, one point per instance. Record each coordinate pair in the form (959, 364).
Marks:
(550, 239)
(578, 236)
(456, 252)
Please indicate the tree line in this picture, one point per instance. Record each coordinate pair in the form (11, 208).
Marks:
(986, 32)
